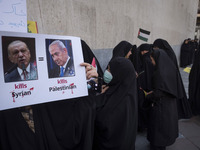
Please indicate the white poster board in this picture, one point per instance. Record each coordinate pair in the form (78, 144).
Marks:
(44, 88)
(13, 15)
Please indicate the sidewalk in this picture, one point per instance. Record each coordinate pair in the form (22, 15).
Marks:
(189, 136)
(189, 130)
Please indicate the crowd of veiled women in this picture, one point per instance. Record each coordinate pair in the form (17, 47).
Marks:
(162, 99)
(142, 89)
(190, 56)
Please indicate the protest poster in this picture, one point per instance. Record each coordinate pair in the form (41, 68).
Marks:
(42, 82)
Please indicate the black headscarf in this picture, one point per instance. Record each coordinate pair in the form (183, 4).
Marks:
(164, 45)
(134, 57)
(122, 49)
(116, 121)
(89, 55)
(134, 47)
(146, 47)
(60, 125)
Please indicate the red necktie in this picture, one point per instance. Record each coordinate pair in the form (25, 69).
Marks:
(24, 74)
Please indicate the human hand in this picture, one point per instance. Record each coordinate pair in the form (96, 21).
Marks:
(104, 88)
(91, 71)
(146, 93)
(150, 92)
(136, 74)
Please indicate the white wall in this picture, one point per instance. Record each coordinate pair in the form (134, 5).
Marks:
(104, 23)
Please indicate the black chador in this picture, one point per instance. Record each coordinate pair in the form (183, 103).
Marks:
(121, 49)
(184, 109)
(162, 128)
(116, 121)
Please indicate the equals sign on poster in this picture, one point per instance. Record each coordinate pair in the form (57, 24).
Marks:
(41, 58)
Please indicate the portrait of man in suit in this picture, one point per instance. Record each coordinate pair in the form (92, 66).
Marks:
(64, 63)
(22, 68)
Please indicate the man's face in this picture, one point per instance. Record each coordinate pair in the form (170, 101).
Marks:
(59, 56)
(19, 54)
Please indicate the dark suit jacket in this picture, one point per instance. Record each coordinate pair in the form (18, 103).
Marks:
(69, 70)
(14, 76)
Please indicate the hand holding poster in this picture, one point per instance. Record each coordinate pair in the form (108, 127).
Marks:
(38, 68)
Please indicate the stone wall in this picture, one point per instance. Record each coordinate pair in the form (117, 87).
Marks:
(104, 23)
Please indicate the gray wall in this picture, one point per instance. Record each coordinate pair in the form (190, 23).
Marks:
(176, 49)
(103, 56)
(104, 23)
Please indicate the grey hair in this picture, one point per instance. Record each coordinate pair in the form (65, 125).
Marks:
(58, 43)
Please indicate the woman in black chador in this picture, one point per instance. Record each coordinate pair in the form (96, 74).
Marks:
(162, 128)
(185, 55)
(194, 84)
(116, 119)
(184, 109)
(144, 71)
